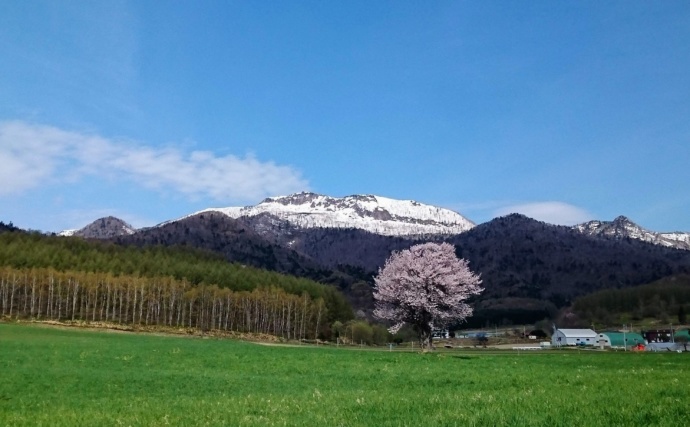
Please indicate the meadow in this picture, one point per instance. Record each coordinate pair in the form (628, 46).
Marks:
(66, 377)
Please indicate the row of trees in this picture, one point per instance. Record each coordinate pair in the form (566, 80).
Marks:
(48, 294)
(359, 332)
(35, 251)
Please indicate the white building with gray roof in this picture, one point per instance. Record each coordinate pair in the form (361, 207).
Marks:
(563, 337)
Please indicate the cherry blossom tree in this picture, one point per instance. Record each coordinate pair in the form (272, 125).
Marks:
(426, 286)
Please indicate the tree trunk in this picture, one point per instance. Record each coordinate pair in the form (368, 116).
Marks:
(425, 338)
(74, 300)
(14, 286)
(33, 295)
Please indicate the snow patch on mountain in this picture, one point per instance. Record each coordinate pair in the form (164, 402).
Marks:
(376, 214)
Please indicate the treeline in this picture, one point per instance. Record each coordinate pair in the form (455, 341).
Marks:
(27, 251)
(8, 227)
(667, 299)
(509, 311)
(48, 294)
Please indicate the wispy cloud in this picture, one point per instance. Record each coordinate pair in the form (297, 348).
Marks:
(550, 212)
(32, 154)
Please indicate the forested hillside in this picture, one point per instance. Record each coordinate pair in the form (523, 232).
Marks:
(235, 242)
(518, 257)
(667, 300)
(530, 269)
(521, 257)
(46, 275)
(338, 247)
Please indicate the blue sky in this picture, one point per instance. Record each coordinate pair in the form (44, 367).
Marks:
(151, 110)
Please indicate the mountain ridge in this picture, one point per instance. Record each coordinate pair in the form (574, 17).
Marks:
(282, 219)
(622, 227)
(376, 214)
(531, 268)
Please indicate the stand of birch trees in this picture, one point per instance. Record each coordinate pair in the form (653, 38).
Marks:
(47, 294)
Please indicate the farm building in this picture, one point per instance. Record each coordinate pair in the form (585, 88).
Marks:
(619, 339)
(682, 335)
(440, 333)
(679, 342)
(658, 335)
(563, 337)
(683, 339)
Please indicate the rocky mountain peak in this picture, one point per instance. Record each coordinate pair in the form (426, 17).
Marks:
(622, 219)
(622, 227)
(102, 228)
(294, 199)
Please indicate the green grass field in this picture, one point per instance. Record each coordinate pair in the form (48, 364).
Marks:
(51, 377)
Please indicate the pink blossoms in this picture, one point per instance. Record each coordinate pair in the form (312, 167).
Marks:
(425, 286)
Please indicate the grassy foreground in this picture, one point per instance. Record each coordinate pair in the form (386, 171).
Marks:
(53, 377)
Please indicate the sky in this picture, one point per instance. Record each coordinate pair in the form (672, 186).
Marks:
(151, 110)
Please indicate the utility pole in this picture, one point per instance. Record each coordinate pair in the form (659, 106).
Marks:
(625, 341)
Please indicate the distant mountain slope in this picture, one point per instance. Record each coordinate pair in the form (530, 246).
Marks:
(518, 257)
(529, 268)
(219, 233)
(237, 242)
(622, 227)
(330, 246)
(521, 257)
(375, 214)
(102, 228)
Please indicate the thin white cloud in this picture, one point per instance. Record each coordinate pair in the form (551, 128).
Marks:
(550, 212)
(33, 154)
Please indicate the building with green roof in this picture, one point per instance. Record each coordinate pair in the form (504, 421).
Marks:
(619, 339)
(684, 333)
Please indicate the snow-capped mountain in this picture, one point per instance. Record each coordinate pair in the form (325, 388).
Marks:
(375, 214)
(103, 228)
(622, 227)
